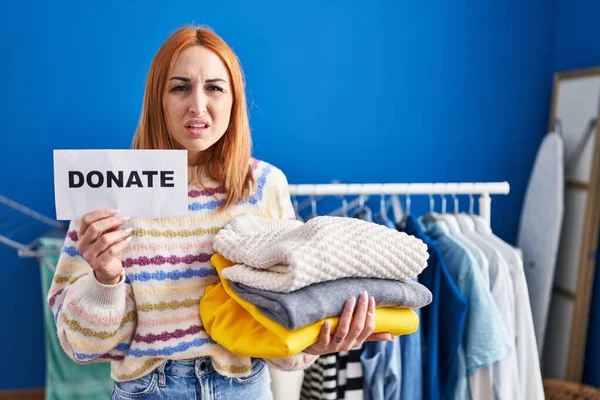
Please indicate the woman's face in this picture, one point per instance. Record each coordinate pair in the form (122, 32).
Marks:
(198, 100)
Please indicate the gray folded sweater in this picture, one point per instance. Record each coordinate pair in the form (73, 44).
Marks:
(326, 299)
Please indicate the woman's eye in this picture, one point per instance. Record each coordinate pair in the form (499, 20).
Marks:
(214, 88)
(180, 88)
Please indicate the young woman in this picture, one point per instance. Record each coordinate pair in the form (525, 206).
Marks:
(131, 296)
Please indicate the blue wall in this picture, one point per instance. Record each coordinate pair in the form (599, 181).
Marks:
(578, 46)
(377, 93)
(577, 35)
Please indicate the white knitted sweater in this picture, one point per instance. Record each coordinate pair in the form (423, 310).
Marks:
(287, 255)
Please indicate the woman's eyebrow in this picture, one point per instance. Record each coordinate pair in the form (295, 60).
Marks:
(181, 78)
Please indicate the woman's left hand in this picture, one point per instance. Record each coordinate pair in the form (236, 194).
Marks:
(355, 326)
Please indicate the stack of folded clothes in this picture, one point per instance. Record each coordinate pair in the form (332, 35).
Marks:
(280, 280)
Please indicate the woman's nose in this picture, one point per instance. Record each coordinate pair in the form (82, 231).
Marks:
(198, 103)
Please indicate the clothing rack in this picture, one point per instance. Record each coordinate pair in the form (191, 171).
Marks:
(483, 189)
(363, 190)
(33, 249)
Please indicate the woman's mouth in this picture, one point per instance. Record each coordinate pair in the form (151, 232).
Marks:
(197, 129)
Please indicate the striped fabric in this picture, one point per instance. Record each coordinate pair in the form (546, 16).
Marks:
(320, 379)
(350, 375)
(153, 316)
(336, 376)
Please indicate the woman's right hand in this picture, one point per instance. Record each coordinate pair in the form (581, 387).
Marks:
(102, 242)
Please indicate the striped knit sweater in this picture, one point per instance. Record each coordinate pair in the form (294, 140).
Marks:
(153, 315)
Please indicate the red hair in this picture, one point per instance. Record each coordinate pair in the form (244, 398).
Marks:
(228, 160)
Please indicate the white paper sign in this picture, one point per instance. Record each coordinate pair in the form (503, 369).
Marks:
(138, 183)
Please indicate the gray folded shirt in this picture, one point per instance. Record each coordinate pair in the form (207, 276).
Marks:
(326, 299)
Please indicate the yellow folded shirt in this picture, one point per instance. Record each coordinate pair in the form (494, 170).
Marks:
(241, 328)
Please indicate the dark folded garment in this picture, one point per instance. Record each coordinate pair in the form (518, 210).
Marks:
(326, 299)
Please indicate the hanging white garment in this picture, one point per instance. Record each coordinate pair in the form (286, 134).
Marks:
(530, 374)
(505, 373)
(540, 226)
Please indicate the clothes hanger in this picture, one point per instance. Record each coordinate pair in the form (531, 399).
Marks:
(402, 224)
(304, 204)
(407, 213)
(466, 223)
(431, 216)
(313, 207)
(363, 212)
(481, 225)
(470, 213)
(344, 207)
(382, 215)
(396, 209)
(296, 211)
(450, 219)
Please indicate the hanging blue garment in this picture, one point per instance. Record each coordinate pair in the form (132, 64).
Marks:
(485, 339)
(410, 347)
(382, 361)
(412, 364)
(441, 322)
(382, 366)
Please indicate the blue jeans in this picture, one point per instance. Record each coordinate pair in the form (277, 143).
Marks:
(196, 379)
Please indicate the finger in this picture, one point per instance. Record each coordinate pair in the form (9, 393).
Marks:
(344, 324)
(97, 228)
(94, 216)
(359, 317)
(381, 336)
(110, 238)
(369, 322)
(116, 250)
(325, 334)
